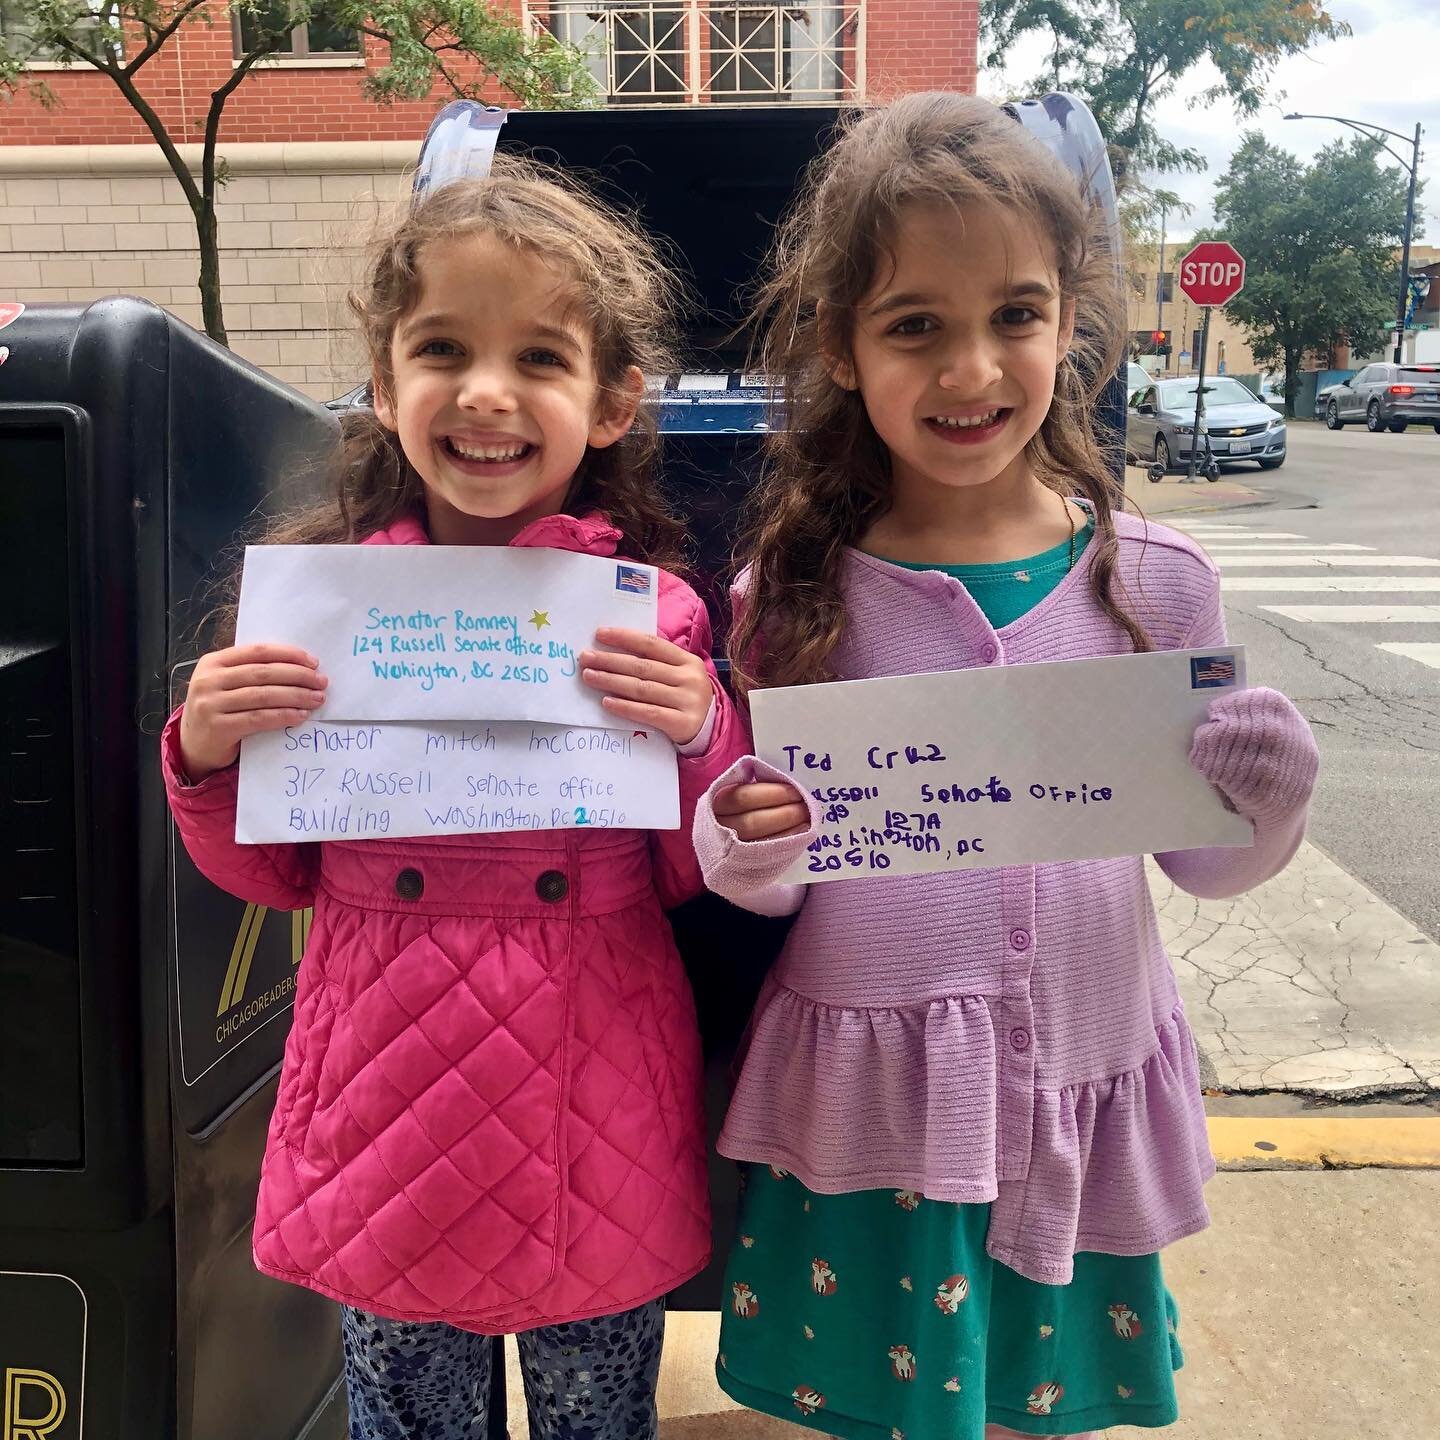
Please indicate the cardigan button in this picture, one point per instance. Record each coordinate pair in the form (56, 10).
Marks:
(409, 884)
(988, 651)
(552, 887)
(1020, 939)
(1019, 1039)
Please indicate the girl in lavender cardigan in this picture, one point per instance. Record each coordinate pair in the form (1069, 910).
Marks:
(968, 1106)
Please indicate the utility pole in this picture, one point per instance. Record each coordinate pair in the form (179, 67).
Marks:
(1160, 281)
(1404, 304)
(1200, 421)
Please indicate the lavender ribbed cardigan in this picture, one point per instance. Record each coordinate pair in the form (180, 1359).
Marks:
(1010, 1035)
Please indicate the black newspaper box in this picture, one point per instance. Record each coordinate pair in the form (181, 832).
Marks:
(142, 1011)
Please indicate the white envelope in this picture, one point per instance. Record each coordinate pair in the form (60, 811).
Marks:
(445, 632)
(1010, 765)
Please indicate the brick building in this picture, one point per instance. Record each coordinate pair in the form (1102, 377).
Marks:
(88, 206)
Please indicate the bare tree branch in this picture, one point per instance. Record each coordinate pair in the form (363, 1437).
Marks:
(217, 106)
(107, 65)
(156, 126)
(160, 36)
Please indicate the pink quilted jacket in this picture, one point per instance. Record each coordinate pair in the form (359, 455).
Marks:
(489, 1111)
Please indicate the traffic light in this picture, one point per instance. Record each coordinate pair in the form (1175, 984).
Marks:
(1161, 340)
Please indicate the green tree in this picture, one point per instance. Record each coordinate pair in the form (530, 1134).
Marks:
(1123, 56)
(461, 44)
(1320, 246)
(1146, 213)
(1148, 217)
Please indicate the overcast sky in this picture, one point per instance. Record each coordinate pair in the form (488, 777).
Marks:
(1386, 73)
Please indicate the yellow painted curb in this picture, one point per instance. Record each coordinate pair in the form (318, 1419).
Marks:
(1399, 1142)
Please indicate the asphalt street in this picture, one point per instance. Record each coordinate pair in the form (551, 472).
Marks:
(1353, 636)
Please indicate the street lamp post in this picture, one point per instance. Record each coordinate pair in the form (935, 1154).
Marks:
(1160, 282)
(1413, 167)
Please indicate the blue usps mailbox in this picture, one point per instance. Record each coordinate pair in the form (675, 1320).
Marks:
(714, 183)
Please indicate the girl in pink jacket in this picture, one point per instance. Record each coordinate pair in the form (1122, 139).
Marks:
(489, 1115)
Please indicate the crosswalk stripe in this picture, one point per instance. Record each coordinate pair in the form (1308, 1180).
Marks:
(1203, 535)
(1232, 546)
(1360, 614)
(1427, 653)
(1327, 584)
(1308, 558)
(1289, 548)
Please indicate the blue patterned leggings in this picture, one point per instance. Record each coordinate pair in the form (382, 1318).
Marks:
(586, 1380)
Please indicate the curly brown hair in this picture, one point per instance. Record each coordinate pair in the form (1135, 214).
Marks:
(827, 473)
(625, 293)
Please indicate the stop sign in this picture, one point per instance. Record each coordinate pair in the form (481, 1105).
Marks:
(1212, 273)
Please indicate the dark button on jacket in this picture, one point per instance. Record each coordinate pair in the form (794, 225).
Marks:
(552, 887)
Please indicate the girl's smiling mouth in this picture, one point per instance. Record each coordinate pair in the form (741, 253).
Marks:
(489, 454)
(969, 429)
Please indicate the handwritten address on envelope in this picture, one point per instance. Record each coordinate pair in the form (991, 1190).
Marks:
(1015, 765)
(367, 781)
(445, 632)
(455, 704)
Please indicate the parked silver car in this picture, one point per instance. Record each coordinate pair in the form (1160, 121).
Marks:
(359, 398)
(1160, 424)
(1385, 397)
(1137, 377)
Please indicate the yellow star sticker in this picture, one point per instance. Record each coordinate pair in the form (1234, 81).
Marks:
(540, 619)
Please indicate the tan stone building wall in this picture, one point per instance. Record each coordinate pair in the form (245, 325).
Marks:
(1182, 318)
(1226, 339)
(79, 223)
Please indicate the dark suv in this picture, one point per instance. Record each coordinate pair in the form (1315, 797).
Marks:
(1385, 397)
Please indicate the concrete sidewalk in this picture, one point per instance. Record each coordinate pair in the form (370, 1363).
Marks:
(1307, 1312)
(1308, 983)
(1172, 499)
(1311, 983)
